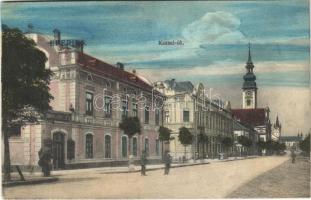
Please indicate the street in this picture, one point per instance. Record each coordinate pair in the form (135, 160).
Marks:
(215, 180)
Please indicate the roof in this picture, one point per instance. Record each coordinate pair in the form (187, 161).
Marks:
(184, 86)
(252, 117)
(102, 68)
(290, 138)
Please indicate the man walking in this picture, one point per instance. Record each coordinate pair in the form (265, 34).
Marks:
(143, 162)
(45, 156)
(293, 155)
(167, 161)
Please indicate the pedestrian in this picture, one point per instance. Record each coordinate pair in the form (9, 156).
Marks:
(167, 160)
(45, 156)
(143, 162)
(293, 155)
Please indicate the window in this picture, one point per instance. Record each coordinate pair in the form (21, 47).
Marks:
(157, 117)
(186, 116)
(107, 108)
(107, 146)
(89, 146)
(248, 102)
(70, 149)
(15, 130)
(134, 109)
(89, 103)
(135, 146)
(147, 146)
(167, 116)
(157, 147)
(147, 115)
(124, 147)
(124, 108)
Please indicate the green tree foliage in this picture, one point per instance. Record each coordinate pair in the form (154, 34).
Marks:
(305, 145)
(25, 84)
(130, 126)
(202, 139)
(185, 137)
(164, 133)
(245, 142)
(227, 142)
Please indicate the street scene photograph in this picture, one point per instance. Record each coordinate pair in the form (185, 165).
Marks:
(155, 99)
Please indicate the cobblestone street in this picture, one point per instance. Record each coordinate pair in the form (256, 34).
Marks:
(286, 181)
(215, 180)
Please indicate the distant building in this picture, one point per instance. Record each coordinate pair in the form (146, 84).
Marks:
(90, 99)
(276, 130)
(258, 118)
(241, 129)
(189, 106)
(291, 142)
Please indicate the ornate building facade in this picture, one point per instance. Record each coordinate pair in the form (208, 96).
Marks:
(189, 106)
(90, 99)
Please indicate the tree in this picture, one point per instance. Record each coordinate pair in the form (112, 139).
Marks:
(261, 145)
(185, 137)
(164, 135)
(227, 142)
(305, 145)
(130, 126)
(25, 85)
(203, 139)
(245, 141)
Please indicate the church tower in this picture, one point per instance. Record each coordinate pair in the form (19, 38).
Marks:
(277, 127)
(249, 86)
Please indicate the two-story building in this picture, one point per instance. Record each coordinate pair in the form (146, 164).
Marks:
(90, 99)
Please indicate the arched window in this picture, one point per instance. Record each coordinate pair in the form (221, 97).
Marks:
(124, 147)
(89, 146)
(135, 146)
(107, 146)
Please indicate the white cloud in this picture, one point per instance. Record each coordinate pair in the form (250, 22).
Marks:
(224, 68)
(214, 27)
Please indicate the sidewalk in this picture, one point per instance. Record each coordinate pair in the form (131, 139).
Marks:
(125, 169)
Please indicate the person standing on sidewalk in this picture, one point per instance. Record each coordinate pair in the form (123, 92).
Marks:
(293, 155)
(167, 161)
(143, 162)
(45, 156)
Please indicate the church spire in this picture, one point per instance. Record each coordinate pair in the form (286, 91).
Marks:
(249, 53)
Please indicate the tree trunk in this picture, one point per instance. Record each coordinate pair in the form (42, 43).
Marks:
(7, 162)
(162, 149)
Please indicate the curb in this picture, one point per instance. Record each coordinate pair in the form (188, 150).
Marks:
(238, 159)
(153, 169)
(30, 182)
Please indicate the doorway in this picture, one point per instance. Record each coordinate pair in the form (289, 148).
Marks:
(58, 150)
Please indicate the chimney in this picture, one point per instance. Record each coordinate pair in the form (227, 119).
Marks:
(56, 35)
(120, 65)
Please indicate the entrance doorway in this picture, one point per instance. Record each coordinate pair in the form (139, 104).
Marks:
(58, 150)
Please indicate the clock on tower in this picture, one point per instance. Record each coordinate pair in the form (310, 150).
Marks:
(249, 85)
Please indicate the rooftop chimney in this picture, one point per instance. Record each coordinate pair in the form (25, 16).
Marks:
(120, 65)
(56, 34)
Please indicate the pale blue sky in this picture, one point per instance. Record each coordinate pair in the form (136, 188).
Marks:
(215, 36)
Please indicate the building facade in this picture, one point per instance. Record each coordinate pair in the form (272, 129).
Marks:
(90, 99)
(241, 129)
(189, 106)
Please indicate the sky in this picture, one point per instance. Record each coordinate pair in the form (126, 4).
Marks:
(215, 37)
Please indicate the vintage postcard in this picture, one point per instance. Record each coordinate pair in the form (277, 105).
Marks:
(155, 99)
